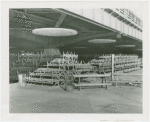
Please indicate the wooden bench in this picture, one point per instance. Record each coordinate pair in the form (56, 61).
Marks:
(117, 74)
(93, 75)
(99, 84)
(130, 82)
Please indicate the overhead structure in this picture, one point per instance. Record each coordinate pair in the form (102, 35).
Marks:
(54, 32)
(99, 30)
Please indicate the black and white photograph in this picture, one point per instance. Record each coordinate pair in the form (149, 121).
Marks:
(67, 60)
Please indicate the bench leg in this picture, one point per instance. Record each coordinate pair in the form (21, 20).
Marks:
(106, 86)
(106, 82)
(79, 85)
(102, 82)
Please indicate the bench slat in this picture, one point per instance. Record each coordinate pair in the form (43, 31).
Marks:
(93, 84)
(123, 82)
(107, 75)
(115, 74)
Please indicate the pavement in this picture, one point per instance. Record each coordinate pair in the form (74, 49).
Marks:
(54, 99)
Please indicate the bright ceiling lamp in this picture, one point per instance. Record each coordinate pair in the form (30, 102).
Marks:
(102, 41)
(125, 46)
(54, 32)
(80, 47)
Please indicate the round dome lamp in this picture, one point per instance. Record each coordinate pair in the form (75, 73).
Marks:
(102, 41)
(54, 32)
(80, 47)
(125, 46)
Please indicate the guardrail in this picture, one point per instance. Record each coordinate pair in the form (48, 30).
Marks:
(130, 16)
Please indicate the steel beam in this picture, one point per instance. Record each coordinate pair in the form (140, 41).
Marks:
(60, 20)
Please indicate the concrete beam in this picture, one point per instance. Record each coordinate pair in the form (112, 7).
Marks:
(43, 10)
(60, 20)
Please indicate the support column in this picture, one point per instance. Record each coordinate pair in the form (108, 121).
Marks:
(112, 67)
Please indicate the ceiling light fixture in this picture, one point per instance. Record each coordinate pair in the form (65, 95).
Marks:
(54, 32)
(102, 41)
(80, 47)
(125, 46)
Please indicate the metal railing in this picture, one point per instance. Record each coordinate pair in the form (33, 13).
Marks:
(129, 15)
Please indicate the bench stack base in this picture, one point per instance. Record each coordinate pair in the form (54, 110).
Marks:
(99, 84)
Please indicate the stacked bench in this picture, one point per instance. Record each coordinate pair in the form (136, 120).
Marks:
(103, 76)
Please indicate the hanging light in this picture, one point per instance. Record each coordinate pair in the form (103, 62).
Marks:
(54, 32)
(102, 41)
(125, 46)
(80, 47)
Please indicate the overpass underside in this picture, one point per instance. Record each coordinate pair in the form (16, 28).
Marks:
(125, 28)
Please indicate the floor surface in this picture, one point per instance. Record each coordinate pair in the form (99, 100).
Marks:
(46, 99)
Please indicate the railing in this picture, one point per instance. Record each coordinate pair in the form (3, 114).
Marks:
(128, 14)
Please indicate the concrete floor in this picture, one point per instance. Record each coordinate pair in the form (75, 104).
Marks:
(37, 99)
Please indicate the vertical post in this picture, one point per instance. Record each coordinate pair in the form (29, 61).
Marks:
(18, 56)
(79, 84)
(112, 67)
(66, 82)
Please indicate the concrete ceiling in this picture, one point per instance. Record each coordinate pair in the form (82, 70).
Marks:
(23, 21)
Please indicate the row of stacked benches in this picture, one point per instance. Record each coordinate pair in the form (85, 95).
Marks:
(125, 63)
(23, 63)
